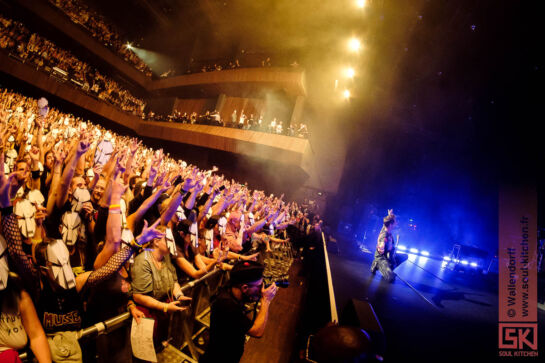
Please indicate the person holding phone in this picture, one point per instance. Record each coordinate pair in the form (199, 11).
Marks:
(228, 321)
(155, 286)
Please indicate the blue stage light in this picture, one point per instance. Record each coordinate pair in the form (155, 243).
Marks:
(464, 262)
(424, 253)
(413, 250)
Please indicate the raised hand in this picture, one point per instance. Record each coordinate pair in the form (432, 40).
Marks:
(134, 145)
(118, 187)
(97, 169)
(5, 185)
(83, 145)
(34, 153)
(159, 180)
(149, 233)
(151, 175)
(189, 183)
(59, 155)
(120, 164)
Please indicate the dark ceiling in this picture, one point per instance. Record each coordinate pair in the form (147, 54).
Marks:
(285, 30)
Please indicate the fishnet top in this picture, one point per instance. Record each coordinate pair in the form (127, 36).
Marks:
(30, 271)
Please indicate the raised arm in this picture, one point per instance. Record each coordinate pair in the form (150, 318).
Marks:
(259, 224)
(55, 180)
(68, 174)
(189, 269)
(93, 278)
(113, 224)
(258, 328)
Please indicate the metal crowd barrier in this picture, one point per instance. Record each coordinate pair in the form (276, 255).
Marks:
(332, 303)
(278, 262)
(181, 325)
(187, 327)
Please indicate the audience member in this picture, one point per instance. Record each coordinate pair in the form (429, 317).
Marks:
(73, 196)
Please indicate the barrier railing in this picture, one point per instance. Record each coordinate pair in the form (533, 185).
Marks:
(200, 290)
(332, 303)
(186, 327)
(278, 262)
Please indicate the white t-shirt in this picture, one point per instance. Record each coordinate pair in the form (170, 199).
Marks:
(12, 332)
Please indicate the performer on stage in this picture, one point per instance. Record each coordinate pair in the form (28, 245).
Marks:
(385, 258)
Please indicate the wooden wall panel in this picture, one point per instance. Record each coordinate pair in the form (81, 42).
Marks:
(276, 77)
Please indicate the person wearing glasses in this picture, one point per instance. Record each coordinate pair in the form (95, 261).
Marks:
(229, 322)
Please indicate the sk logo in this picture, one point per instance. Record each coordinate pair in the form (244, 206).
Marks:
(521, 336)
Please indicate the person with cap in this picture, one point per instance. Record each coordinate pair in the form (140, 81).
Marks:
(228, 321)
(385, 258)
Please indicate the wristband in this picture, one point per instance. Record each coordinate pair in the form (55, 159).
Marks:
(35, 174)
(165, 307)
(114, 209)
(136, 245)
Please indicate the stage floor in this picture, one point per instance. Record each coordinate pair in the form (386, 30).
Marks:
(453, 315)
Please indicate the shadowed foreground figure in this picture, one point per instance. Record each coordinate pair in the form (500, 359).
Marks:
(386, 259)
(340, 344)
